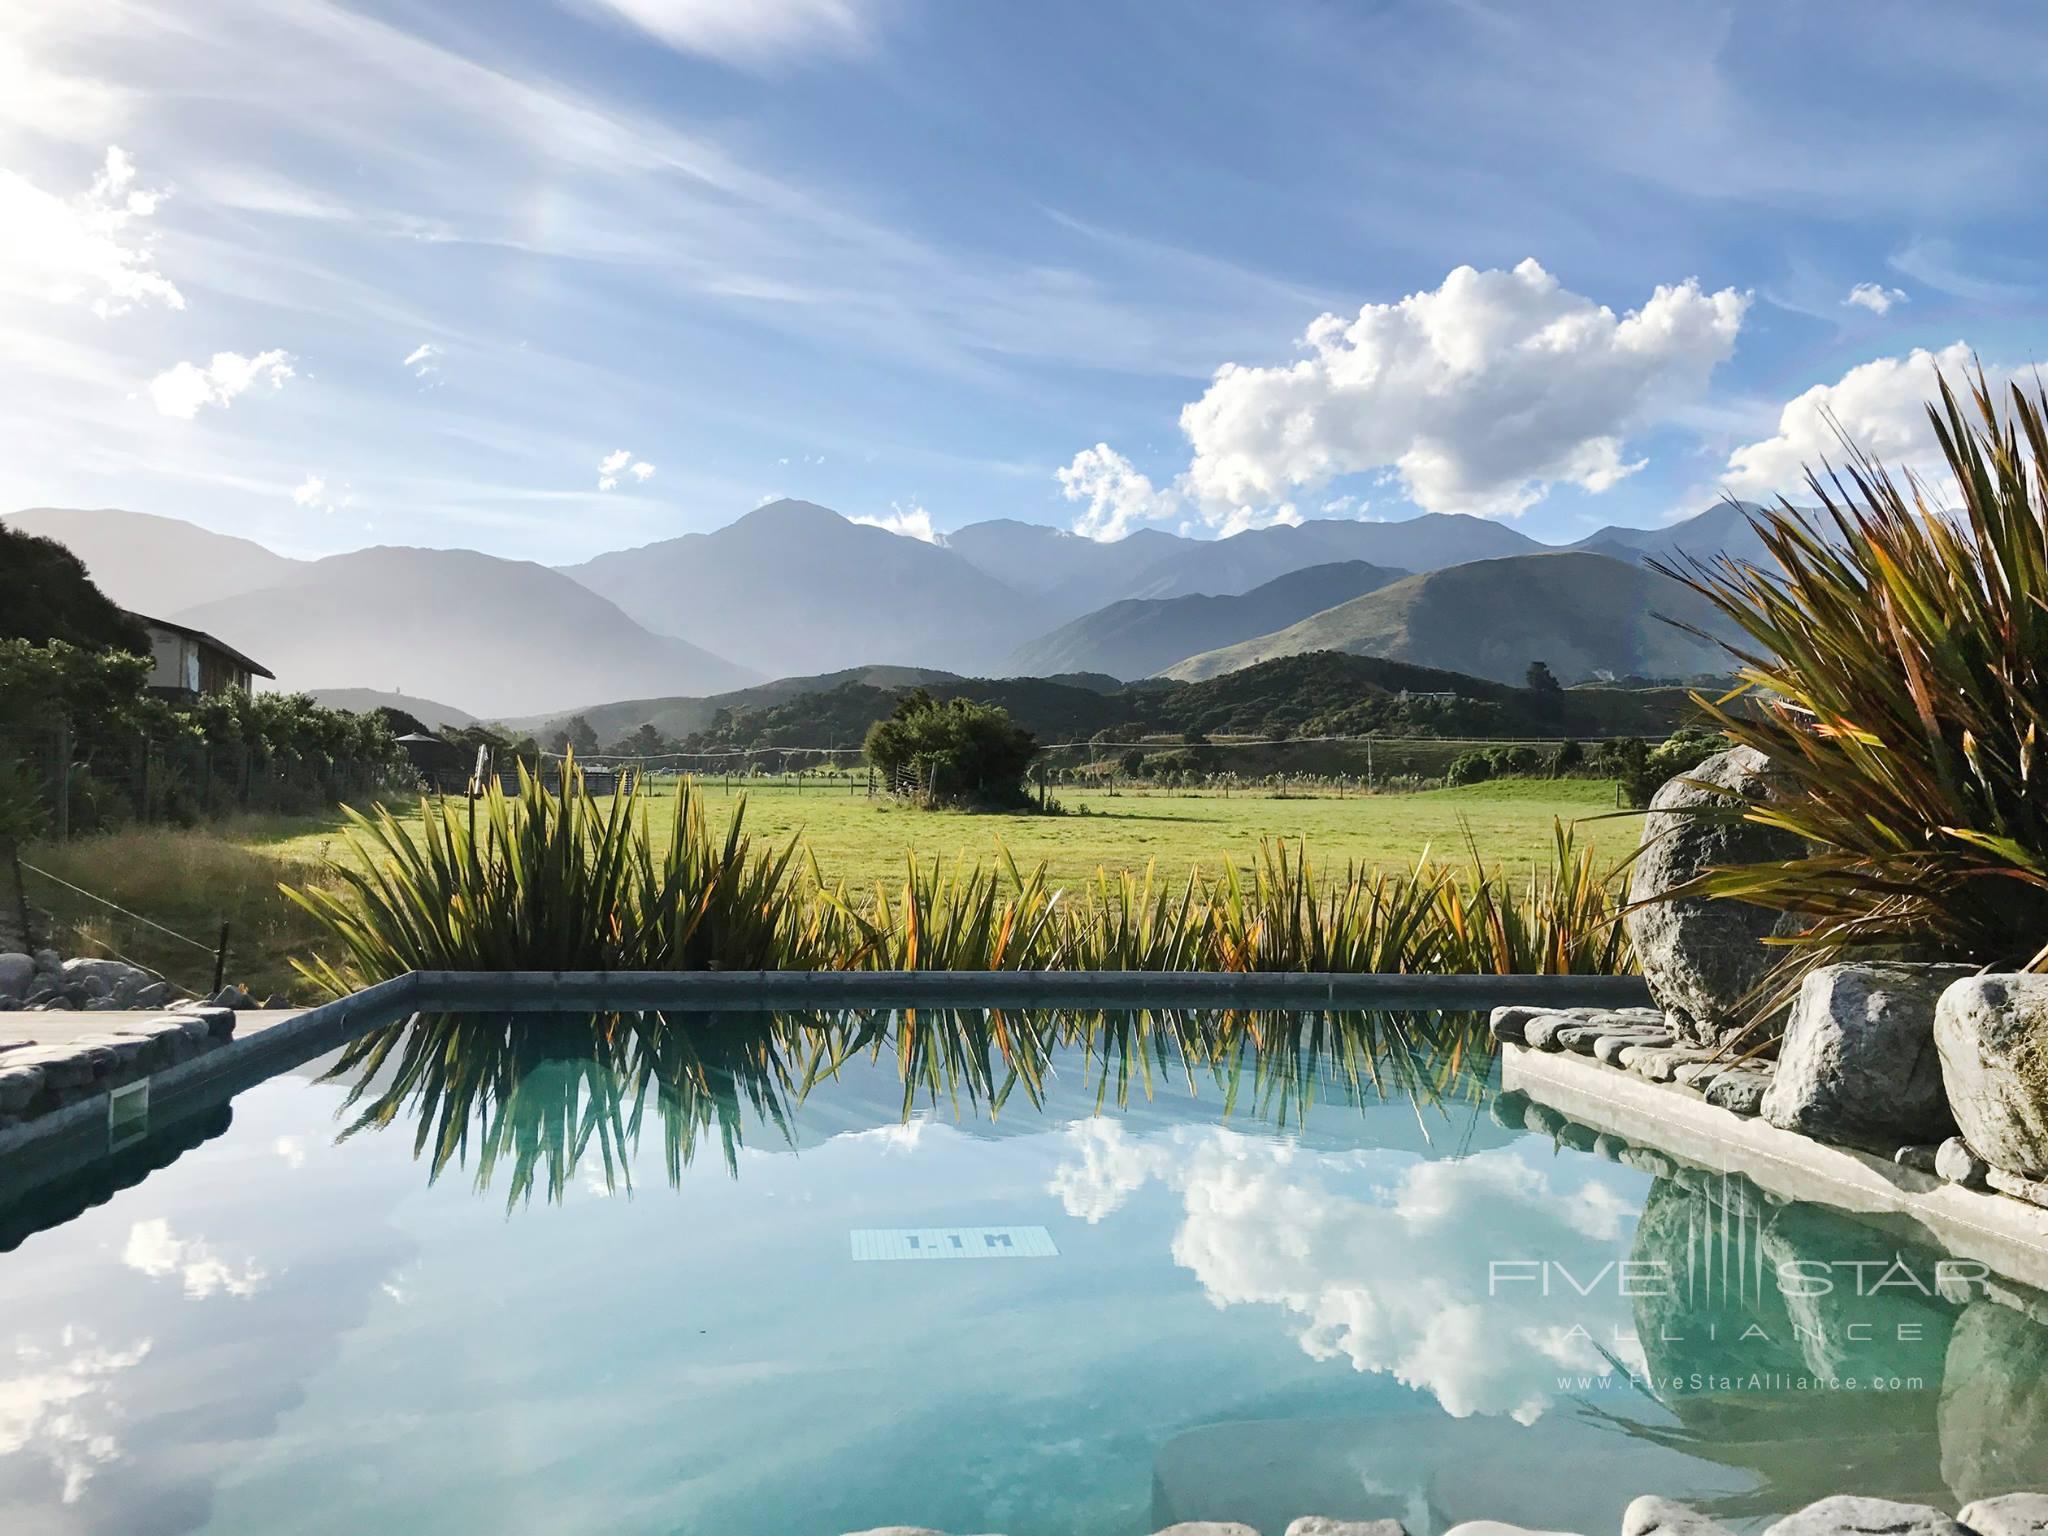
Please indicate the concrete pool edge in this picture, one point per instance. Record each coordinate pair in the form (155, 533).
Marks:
(2009, 1235)
(970, 989)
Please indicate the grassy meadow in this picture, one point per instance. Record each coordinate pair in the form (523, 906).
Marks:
(191, 879)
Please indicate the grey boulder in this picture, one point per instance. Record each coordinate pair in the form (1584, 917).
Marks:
(2012, 1514)
(1858, 1059)
(1652, 1516)
(1848, 1515)
(1705, 960)
(17, 973)
(1739, 1091)
(1992, 1033)
(1954, 1161)
(1323, 1525)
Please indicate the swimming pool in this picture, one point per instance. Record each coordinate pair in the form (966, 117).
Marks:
(1050, 1274)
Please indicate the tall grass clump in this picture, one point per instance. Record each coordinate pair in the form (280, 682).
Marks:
(558, 879)
(554, 880)
(1898, 662)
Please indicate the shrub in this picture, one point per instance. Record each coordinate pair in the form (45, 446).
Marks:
(955, 751)
(1900, 657)
(1470, 768)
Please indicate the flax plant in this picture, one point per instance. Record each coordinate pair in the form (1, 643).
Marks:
(559, 879)
(1898, 658)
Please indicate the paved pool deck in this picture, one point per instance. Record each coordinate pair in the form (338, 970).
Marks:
(60, 1026)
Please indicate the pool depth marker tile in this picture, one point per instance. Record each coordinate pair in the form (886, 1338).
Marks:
(889, 1243)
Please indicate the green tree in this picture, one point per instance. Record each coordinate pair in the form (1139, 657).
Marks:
(957, 751)
(45, 595)
(577, 736)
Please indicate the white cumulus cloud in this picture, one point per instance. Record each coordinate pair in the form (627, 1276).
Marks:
(1119, 498)
(621, 462)
(91, 248)
(157, 1252)
(62, 1405)
(315, 495)
(1308, 1234)
(1875, 297)
(182, 390)
(1480, 395)
(910, 520)
(1880, 406)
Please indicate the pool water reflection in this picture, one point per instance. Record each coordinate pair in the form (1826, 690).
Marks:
(558, 1274)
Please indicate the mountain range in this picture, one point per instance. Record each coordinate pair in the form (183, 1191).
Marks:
(793, 590)
(1139, 636)
(1580, 613)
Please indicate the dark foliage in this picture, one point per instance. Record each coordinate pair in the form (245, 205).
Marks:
(953, 750)
(45, 595)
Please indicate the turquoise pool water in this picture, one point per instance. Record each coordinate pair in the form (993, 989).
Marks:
(667, 1275)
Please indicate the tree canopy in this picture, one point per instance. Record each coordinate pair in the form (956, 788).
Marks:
(955, 751)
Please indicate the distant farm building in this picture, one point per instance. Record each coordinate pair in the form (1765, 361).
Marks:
(190, 663)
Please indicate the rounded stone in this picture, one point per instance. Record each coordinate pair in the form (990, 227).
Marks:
(1992, 1033)
(1705, 959)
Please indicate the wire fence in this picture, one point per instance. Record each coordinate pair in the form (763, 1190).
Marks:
(40, 925)
(89, 782)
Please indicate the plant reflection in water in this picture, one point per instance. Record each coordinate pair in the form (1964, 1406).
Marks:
(530, 1097)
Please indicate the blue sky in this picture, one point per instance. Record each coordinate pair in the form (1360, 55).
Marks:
(330, 275)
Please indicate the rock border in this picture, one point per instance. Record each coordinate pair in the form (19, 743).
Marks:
(2012, 1514)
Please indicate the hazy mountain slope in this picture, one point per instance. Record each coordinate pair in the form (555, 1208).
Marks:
(506, 636)
(1069, 573)
(156, 565)
(1246, 560)
(1138, 636)
(1579, 612)
(793, 588)
(361, 700)
(1721, 529)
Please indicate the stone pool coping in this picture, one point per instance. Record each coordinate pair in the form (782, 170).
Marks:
(70, 1137)
(2009, 1235)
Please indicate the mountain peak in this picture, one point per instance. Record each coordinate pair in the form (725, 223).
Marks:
(787, 514)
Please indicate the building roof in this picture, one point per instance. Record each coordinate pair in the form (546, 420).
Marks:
(256, 667)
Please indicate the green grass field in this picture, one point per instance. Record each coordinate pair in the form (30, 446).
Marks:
(191, 879)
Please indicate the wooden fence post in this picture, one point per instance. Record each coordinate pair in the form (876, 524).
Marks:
(63, 795)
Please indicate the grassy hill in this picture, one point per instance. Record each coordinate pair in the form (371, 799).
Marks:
(1581, 613)
(1324, 693)
(1138, 636)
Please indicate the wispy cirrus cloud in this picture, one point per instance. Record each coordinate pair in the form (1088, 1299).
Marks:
(754, 34)
(423, 361)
